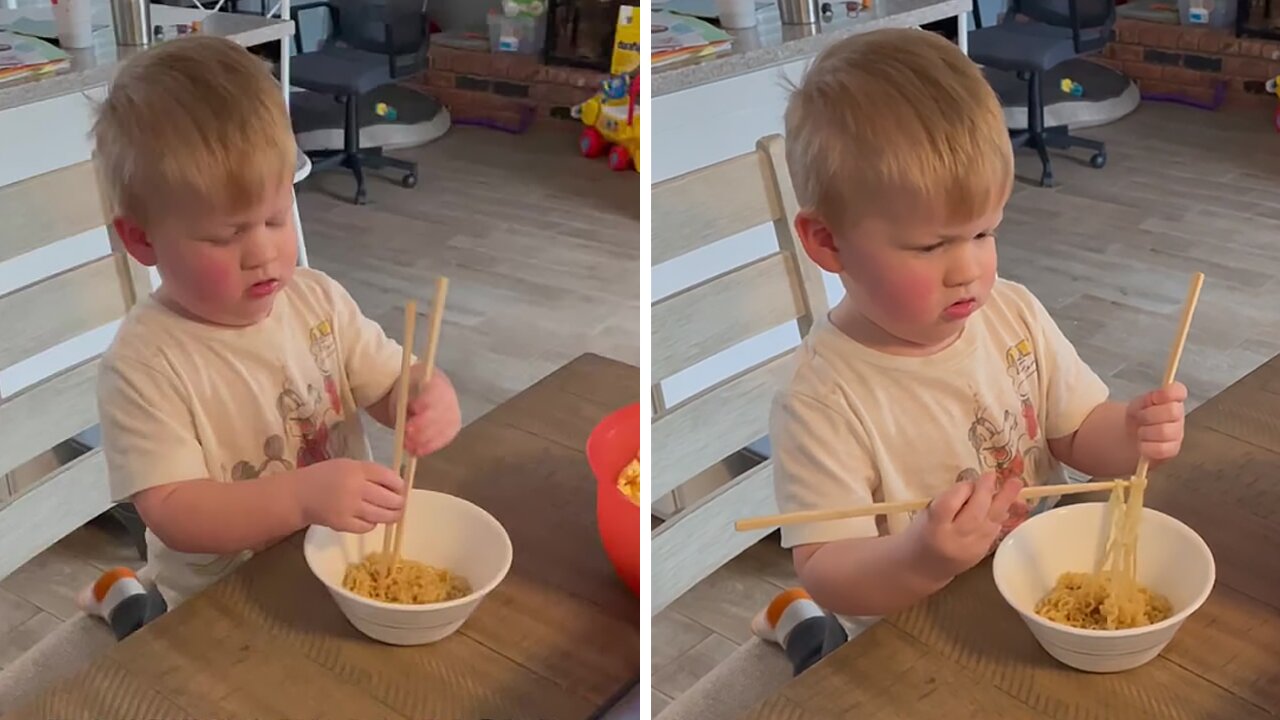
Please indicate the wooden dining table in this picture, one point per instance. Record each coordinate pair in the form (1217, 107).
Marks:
(559, 638)
(966, 654)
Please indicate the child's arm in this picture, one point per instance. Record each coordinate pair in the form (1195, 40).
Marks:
(882, 575)
(1113, 436)
(1084, 429)
(207, 516)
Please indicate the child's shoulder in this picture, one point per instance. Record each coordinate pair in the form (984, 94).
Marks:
(1013, 303)
(313, 284)
(140, 340)
(822, 365)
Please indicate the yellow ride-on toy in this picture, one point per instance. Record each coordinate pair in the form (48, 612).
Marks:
(612, 118)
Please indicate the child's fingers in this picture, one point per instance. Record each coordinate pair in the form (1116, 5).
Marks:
(356, 526)
(1160, 450)
(979, 503)
(1164, 432)
(1174, 392)
(946, 506)
(1004, 500)
(1168, 412)
(383, 476)
(419, 401)
(382, 497)
(376, 515)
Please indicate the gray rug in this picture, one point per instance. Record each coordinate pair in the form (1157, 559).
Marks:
(318, 119)
(1108, 96)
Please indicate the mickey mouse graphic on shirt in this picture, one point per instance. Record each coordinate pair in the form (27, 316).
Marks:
(307, 413)
(1003, 446)
(999, 448)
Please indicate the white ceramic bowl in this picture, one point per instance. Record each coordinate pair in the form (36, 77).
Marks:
(1172, 560)
(442, 531)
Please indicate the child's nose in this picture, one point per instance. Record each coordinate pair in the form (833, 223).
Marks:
(964, 269)
(259, 250)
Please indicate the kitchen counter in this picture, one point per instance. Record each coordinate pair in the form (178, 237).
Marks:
(95, 66)
(771, 43)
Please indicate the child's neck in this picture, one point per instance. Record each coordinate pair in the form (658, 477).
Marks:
(181, 311)
(848, 319)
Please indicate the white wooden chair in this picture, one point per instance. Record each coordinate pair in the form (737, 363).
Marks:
(690, 212)
(43, 323)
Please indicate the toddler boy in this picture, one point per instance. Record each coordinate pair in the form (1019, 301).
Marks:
(932, 377)
(230, 399)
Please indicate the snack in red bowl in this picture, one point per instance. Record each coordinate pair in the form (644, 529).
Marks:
(613, 451)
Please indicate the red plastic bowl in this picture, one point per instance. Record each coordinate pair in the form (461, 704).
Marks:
(612, 444)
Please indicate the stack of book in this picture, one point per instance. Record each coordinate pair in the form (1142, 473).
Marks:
(677, 37)
(22, 56)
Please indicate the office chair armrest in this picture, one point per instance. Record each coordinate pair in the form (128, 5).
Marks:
(311, 5)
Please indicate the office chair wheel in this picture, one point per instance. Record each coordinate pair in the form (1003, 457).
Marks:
(410, 180)
(1046, 179)
(1099, 160)
(362, 196)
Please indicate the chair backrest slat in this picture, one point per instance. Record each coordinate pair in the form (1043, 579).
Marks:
(689, 550)
(710, 204)
(710, 317)
(42, 209)
(56, 309)
(41, 416)
(719, 421)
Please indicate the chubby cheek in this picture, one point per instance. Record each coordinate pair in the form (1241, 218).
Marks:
(903, 293)
(214, 277)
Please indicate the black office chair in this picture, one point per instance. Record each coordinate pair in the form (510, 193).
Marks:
(372, 43)
(1048, 32)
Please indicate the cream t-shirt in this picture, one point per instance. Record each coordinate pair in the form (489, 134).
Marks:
(180, 400)
(855, 426)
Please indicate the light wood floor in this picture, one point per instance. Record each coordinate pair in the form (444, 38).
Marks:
(1109, 252)
(541, 247)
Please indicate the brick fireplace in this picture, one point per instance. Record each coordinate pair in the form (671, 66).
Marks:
(1191, 61)
(506, 89)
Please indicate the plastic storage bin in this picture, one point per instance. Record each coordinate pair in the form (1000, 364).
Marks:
(521, 34)
(1207, 13)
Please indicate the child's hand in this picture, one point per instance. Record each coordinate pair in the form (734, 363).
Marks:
(960, 525)
(349, 495)
(1156, 421)
(434, 417)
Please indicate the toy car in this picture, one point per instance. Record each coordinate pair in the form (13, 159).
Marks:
(612, 118)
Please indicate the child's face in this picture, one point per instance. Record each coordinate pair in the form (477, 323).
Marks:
(912, 285)
(224, 269)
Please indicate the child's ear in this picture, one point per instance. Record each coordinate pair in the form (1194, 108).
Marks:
(819, 242)
(135, 241)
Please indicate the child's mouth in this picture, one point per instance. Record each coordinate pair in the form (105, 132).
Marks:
(263, 288)
(961, 309)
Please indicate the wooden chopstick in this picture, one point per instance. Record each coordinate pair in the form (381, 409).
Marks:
(402, 404)
(1171, 367)
(890, 508)
(1137, 490)
(433, 338)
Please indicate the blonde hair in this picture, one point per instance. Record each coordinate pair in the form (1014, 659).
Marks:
(897, 120)
(198, 119)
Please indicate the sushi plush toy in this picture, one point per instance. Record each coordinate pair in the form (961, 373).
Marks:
(121, 599)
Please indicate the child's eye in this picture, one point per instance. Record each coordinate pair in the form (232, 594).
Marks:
(931, 248)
